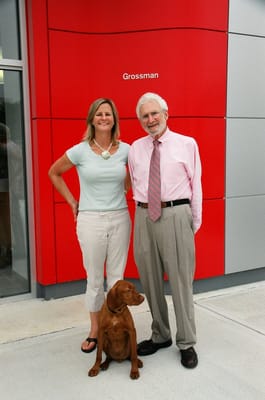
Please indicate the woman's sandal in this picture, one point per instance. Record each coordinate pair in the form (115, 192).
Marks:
(90, 340)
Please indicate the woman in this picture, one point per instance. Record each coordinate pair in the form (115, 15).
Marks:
(103, 221)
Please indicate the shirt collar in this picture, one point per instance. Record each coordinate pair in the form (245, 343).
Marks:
(162, 138)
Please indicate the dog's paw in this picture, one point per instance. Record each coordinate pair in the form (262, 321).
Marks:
(104, 366)
(93, 372)
(134, 374)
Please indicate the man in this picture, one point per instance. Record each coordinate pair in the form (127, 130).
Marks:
(164, 235)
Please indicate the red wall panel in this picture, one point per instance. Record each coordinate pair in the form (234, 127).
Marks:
(65, 134)
(122, 16)
(44, 209)
(210, 136)
(189, 66)
(38, 58)
(131, 269)
(210, 240)
(183, 44)
(68, 253)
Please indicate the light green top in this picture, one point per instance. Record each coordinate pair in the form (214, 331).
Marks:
(101, 181)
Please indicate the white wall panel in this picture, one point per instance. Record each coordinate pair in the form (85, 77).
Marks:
(245, 234)
(245, 157)
(245, 137)
(247, 16)
(246, 77)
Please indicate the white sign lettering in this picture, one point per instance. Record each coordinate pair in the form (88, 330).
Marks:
(148, 75)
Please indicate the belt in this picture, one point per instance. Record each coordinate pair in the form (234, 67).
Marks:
(165, 204)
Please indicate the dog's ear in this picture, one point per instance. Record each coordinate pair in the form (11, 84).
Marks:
(113, 298)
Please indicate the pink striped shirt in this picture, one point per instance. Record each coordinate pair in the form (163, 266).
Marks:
(180, 170)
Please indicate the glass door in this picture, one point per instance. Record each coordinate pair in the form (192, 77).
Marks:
(14, 255)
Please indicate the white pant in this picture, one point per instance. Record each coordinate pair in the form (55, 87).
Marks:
(104, 239)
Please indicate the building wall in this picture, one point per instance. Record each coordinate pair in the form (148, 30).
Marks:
(245, 154)
(185, 52)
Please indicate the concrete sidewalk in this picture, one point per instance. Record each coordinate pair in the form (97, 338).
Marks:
(40, 355)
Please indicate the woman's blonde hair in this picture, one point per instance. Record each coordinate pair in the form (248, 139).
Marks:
(90, 131)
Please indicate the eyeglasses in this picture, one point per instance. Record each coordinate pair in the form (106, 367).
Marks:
(153, 114)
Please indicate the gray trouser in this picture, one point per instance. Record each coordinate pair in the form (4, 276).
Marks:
(167, 246)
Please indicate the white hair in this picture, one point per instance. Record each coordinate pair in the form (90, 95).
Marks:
(148, 97)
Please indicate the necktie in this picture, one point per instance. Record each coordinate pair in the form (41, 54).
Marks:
(154, 186)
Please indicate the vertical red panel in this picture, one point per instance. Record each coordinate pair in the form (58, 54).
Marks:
(209, 133)
(44, 211)
(72, 132)
(69, 259)
(38, 57)
(192, 78)
(131, 268)
(210, 240)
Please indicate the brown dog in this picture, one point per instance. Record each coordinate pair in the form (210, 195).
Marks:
(116, 333)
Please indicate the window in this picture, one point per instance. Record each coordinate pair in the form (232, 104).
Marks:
(14, 257)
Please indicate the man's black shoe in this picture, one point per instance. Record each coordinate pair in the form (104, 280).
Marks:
(189, 358)
(148, 347)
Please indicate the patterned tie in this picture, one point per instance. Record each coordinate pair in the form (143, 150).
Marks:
(154, 186)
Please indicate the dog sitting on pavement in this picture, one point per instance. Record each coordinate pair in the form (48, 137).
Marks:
(117, 333)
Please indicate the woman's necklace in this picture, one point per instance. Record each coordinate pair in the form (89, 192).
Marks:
(105, 153)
